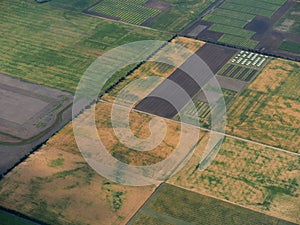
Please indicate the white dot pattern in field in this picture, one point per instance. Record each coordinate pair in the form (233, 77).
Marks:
(250, 59)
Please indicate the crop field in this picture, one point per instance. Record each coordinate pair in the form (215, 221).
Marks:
(55, 49)
(174, 205)
(166, 15)
(249, 175)
(244, 66)
(127, 11)
(267, 111)
(290, 46)
(251, 25)
(290, 21)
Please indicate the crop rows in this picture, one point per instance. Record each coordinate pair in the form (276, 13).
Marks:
(136, 1)
(256, 4)
(225, 20)
(232, 30)
(126, 11)
(233, 14)
(247, 9)
(238, 41)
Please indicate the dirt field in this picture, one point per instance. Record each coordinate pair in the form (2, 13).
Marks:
(258, 178)
(57, 186)
(29, 114)
(214, 56)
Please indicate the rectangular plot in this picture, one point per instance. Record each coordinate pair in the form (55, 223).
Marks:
(232, 30)
(229, 68)
(233, 14)
(127, 11)
(240, 77)
(238, 41)
(247, 9)
(251, 75)
(256, 4)
(224, 20)
(235, 72)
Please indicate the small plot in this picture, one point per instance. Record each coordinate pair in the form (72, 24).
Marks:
(247, 9)
(233, 14)
(290, 46)
(127, 11)
(224, 20)
(250, 59)
(256, 4)
(238, 41)
(232, 30)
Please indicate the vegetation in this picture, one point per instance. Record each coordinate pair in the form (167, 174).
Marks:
(177, 206)
(238, 41)
(224, 20)
(290, 46)
(243, 34)
(54, 46)
(9, 219)
(247, 9)
(127, 11)
(256, 177)
(290, 21)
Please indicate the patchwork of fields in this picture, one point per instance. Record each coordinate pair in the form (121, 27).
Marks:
(254, 178)
(266, 26)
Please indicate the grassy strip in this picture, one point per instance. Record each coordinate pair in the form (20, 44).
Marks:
(256, 4)
(247, 9)
(233, 40)
(232, 30)
(233, 14)
(290, 46)
(226, 21)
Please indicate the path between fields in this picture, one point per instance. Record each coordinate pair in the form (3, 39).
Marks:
(205, 129)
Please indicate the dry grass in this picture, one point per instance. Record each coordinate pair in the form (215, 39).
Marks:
(255, 177)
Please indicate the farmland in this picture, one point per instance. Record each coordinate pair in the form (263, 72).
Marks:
(174, 205)
(56, 49)
(48, 186)
(250, 175)
(250, 25)
(267, 111)
(127, 11)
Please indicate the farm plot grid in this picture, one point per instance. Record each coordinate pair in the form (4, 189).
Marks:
(129, 11)
(251, 25)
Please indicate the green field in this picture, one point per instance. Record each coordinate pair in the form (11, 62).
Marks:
(239, 41)
(290, 21)
(257, 4)
(245, 34)
(128, 11)
(290, 46)
(247, 9)
(224, 20)
(180, 15)
(52, 46)
(233, 14)
(174, 205)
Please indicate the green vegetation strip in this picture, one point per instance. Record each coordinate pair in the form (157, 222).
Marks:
(247, 9)
(290, 46)
(10, 219)
(232, 30)
(129, 12)
(233, 14)
(226, 21)
(238, 41)
(256, 4)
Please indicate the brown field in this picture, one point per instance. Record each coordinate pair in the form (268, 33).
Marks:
(259, 178)
(268, 111)
(57, 186)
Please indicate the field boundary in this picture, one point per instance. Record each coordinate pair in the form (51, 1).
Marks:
(206, 129)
